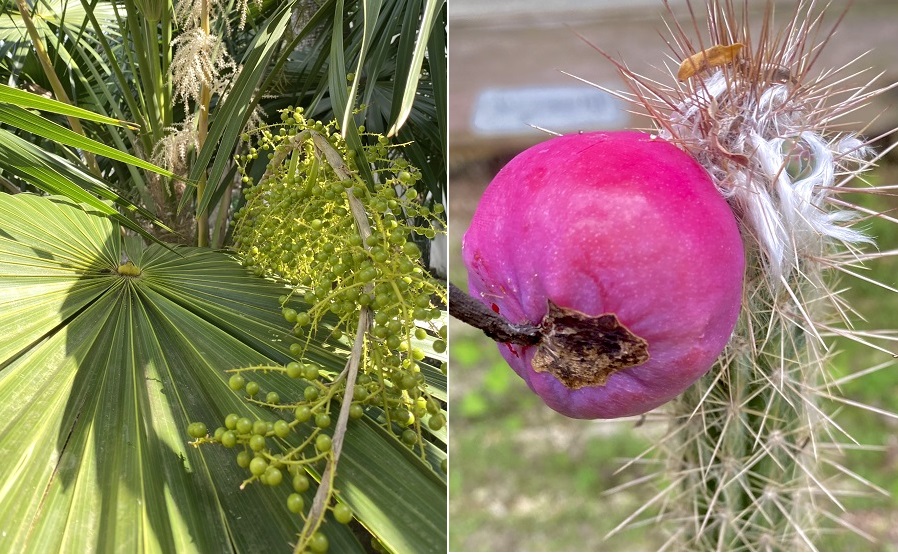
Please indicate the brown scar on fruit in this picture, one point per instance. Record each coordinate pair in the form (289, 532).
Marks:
(581, 350)
(706, 59)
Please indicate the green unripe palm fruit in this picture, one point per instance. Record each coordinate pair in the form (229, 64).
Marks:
(323, 443)
(244, 458)
(409, 436)
(436, 422)
(244, 425)
(281, 428)
(300, 482)
(295, 503)
(294, 370)
(322, 421)
(236, 382)
(229, 439)
(302, 413)
(257, 443)
(342, 513)
(260, 427)
(273, 476)
(258, 466)
(231, 421)
(289, 314)
(318, 543)
(197, 429)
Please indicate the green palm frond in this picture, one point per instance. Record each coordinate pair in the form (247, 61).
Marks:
(398, 82)
(109, 350)
(56, 175)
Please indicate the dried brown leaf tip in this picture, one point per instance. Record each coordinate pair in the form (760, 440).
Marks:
(715, 56)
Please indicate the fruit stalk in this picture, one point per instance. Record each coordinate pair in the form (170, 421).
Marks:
(465, 308)
(325, 490)
(322, 496)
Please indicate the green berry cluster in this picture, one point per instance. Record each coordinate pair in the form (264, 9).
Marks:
(344, 247)
(298, 226)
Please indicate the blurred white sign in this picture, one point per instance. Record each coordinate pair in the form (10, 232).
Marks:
(561, 109)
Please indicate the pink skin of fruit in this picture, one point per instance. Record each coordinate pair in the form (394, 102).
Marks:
(611, 222)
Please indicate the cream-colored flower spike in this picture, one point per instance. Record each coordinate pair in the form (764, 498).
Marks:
(200, 60)
(172, 150)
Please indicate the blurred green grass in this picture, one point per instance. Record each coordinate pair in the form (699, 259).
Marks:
(525, 478)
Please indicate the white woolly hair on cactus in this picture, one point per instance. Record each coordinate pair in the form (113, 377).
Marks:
(746, 445)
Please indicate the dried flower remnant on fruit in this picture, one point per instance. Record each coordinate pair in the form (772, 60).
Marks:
(583, 350)
(580, 350)
(706, 59)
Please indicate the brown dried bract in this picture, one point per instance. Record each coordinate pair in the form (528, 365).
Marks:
(706, 59)
(583, 350)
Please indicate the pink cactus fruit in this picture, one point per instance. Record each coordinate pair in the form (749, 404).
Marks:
(620, 225)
